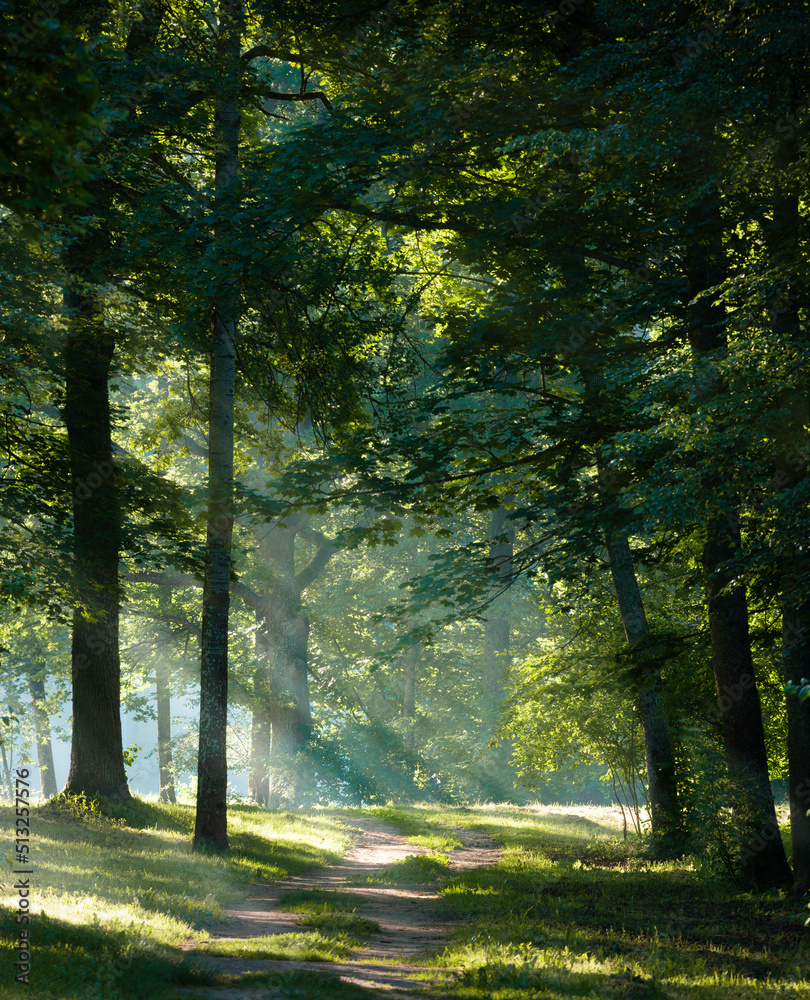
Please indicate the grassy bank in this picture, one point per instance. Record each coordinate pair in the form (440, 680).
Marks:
(573, 911)
(112, 898)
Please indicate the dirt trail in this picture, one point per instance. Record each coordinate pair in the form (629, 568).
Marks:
(411, 917)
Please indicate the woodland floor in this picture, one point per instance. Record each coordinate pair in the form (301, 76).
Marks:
(412, 918)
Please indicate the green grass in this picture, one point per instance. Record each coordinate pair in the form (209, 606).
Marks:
(413, 824)
(320, 901)
(572, 911)
(341, 923)
(417, 869)
(303, 947)
(113, 896)
(330, 912)
(297, 983)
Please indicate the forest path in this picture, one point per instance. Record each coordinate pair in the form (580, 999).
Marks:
(412, 918)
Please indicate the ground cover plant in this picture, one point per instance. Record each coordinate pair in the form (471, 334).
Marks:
(572, 910)
(114, 895)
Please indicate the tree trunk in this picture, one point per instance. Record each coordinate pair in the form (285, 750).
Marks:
(288, 638)
(409, 692)
(164, 733)
(791, 473)
(42, 728)
(96, 761)
(762, 855)
(496, 625)
(212, 772)
(259, 780)
(659, 752)
(291, 717)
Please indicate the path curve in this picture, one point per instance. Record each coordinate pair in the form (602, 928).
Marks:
(412, 918)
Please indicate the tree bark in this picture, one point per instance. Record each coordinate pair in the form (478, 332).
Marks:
(164, 733)
(259, 781)
(96, 761)
(791, 474)
(212, 772)
(287, 644)
(409, 692)
(42, 728)
(762, 854)
(659, 752)
(290, 714)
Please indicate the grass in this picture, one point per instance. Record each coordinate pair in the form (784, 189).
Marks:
(572, 911)
(114, 896)
(303, 947)
(314, 901)
(298, 983)
(569, 911)
(415, 869)
(419, 829)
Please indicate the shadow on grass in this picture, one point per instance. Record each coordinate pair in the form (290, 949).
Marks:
(644, 918)
(291, 858)
(300, 983)
(70, 960)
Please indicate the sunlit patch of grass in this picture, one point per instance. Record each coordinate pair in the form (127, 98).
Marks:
(571, 910)
(320, 901)
(415, 868)
(329, 911)
(110, 885)
(411, 823)
(303, 946)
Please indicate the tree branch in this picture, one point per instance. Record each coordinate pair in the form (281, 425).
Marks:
(326, 548)
(267, 50)
(315, 95)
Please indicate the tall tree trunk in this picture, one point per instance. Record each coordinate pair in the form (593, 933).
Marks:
(409, 692)
(259, 780)
(42, 728)
(791, 474)
(290, 708)
(164, 733)
(659, 751)
(96, 761)
(212, 771)
(496, 657)
(288, 637)
(762, 855)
